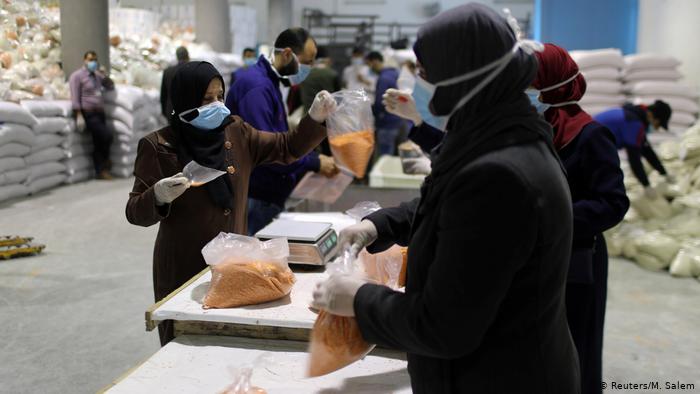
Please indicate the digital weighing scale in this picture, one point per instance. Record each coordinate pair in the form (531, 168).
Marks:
(310, 243)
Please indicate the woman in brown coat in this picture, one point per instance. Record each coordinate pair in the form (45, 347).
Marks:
(202, 130)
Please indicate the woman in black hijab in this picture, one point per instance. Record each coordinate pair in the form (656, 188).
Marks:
(202, 130)
(488, 240)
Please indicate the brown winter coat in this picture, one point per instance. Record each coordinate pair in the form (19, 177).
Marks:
(192, 220)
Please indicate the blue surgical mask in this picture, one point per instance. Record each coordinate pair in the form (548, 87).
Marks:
(534, 96)
(208, 117)
(424, 91)
(302, 72)
(92, 65)
(300, 76)
(250, 61)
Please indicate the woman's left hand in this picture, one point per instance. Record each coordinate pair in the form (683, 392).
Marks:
(336, 294)
(324, 104)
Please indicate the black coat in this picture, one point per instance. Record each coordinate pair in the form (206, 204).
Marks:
(599, 201)
(483, 310)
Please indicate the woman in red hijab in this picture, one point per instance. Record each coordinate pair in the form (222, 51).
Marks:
(589, 154)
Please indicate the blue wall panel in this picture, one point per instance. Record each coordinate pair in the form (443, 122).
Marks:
(587, 24)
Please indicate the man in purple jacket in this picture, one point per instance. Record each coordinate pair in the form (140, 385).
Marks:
(256, 98)
(86, 87)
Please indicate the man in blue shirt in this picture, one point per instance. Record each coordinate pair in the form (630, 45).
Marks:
(257, 99)
(388, 126)
(249, 60)
(630, 124)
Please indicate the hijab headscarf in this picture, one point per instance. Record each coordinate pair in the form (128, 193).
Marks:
(206, 147)
(464, 39)
(556, 66)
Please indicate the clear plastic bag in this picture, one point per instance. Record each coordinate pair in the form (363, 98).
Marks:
(316, 187)
(242, 377)
(199, 175)
(246, 271)
(362, 209)
(351, 130)
(336, 341)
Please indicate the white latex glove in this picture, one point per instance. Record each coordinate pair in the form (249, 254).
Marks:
(168, 189)
(357, 237)
(324, 104)
(650, 193)
(670, 179)
(401, 104)
(336, 294)
(80, 123)
(417, 166)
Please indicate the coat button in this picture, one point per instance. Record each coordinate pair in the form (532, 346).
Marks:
(231, 169)
(228, 144)
(227, 212)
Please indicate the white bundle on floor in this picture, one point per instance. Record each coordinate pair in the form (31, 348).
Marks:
(649, 77)
(602, 69)
(664, 232)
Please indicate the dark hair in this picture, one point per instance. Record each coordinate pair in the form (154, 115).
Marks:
(322, 52)
(182, 54)
(358, 51)
(246, 50)
(374, 55)
(88, 53)
(294, 38)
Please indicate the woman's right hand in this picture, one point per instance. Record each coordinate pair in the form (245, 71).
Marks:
(358, 236)
(168, 189)
(401, 104)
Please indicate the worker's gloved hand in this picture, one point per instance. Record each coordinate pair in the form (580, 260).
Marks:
(168, 189)
(417, 166)
(336, 294)
(650, 193)
(324, 104)
(357, 237)
(670, 179)
(328, 167)
(401, 104)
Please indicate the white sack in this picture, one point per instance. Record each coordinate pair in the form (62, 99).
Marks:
(653, 74)
(650, 60)
(44, 169)
(47, 182)
(14, 149)
(8, 192)
(658, 88)
(45, 155)
(13, 132)
(49, 140)
(11, 163)
(14, 113)
(51, 125)
(610, 57)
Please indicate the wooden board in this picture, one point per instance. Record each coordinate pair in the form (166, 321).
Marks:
(203, 364)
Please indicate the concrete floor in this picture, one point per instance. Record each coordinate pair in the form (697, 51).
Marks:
(72, 320)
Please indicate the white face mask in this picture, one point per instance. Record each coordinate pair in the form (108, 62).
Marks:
(424, 91)
(558, 85)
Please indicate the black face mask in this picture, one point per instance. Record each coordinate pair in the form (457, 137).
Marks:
(290, 69)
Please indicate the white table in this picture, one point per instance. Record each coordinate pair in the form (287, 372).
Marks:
(286, 318)
(202, 364)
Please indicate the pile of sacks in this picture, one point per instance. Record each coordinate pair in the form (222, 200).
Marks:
(56, 130)
(664, 232)
(602, 69)
(131, 114)
(36, 148)
(30, 52)
(648, 77)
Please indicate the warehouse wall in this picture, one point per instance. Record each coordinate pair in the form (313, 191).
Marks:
(671, 27)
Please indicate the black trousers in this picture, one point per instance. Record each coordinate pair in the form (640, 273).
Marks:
(585, 310)
(95, 123)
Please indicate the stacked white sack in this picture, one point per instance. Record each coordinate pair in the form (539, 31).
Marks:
(602, 69)
(650, 77)
(16, 141)
(46, 159)
(131, 115)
